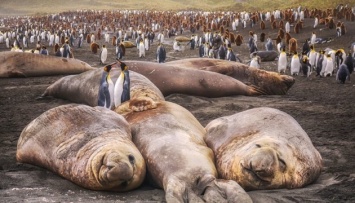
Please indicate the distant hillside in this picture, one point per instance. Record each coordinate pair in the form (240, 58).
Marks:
(20, 7)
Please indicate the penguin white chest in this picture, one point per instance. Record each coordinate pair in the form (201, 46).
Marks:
(295, 65)
(118, 90)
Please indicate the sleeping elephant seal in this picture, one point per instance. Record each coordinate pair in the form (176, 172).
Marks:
(89, 146)
(177, 79)
(182, 39)
(266, 55)
(171, 141)
(22, 64)
(84, 88)
(266, 82)
(128, 44)
(263, 148)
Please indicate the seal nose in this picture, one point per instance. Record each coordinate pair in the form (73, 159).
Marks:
(263, 164)
(131, 159)
(121, 171)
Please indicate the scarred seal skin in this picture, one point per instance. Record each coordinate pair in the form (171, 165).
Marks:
(22, 64)
(263, 148)
(89, 146)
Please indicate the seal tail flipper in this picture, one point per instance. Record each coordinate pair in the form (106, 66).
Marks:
(230, 190)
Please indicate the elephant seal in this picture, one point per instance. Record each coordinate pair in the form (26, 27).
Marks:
(171, 141)
(263, 148)
(128, 44)
(182, 39)
(266, 55)
(146, 102)
(89, 146)
(84, 88)
(22, 64)
(266, 82)
(177, 79)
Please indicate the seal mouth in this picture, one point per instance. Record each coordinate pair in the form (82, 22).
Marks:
(124, 183)
(117, 172)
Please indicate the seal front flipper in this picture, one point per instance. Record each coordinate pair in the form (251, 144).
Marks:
(225, 191)
(205, 189)
(176, 191)
(255, 90)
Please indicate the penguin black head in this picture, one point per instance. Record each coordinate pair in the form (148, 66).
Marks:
(107, 68)
(123, 66)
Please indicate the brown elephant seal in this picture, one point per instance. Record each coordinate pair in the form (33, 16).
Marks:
(182, 39)
(84, 88)
(266, 55)
(171, 141)
(266, 82)
(177, 79)
(89, 146)
(263, 148)
(128, 44)
(22, 64)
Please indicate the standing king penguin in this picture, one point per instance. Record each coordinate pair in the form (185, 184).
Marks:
(295, 64)
(103, 54)
(122, 86)
(282, 63)
(105, 89)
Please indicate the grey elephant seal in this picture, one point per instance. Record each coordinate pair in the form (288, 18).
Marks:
(22, 64)
(89, 146)
(171, 141)
(265, 82)
(266, 55)
(263, 148)
(154, 122)
(84, 88)
(179, 79)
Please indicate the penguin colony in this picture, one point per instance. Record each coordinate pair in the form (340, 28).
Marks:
(212, 34)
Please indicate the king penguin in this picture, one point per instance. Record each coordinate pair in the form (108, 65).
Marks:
(104, 90)
(255, 61)
(312, 57)
(295, 64)
(122, 86)
(282, 63)
(103, 54)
